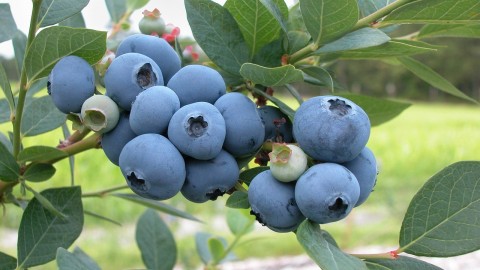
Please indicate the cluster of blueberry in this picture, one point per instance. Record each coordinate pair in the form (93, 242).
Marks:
(333, 132)
(174, 129)
(169, 128)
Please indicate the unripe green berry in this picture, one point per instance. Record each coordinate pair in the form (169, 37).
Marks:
(100, 113)
(152, 23)
(287, 162)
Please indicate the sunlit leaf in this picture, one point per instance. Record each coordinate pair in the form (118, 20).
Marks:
(41, 116)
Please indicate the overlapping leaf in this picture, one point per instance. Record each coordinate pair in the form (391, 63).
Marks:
(270, 76)
(41, 116)
(9, 27)
(455, 30)
(77, 260)
(360, 39)
(55, 11)
(390, 49)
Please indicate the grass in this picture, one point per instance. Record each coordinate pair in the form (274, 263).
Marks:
(410, 149)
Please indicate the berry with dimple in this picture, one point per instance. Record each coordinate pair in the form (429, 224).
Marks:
(364, 167)
(287, 162)
(278, 127)
(194, 83)
(100, 113)
(152, 23)
(273, 203)
(197, 130)
(153, 167)
(70, 83)
(209, 179)
(113, 141)
(245, 130)
(326, 192)
(331, 128)
(155, 48)
(152, 110)
(128, 75)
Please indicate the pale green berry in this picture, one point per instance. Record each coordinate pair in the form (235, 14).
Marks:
(287, 162)
(100, 113)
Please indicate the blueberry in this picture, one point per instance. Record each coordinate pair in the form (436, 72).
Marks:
(245, 130)
(364, 167)
(113, 141)
(195, 83)
(326, 192)
(128, 75)
(208, 179)
(278, 127)
(70, 83)
(152, 23)
(153, 167)
(100, 113)
(197, 130)
(273, 203)
(331, 129)
(154, 47)
(152, 110)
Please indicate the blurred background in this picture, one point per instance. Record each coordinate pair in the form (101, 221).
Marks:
(435, 131)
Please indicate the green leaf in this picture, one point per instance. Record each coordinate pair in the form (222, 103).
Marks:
(19, 42)
(325, 254)
(218, 34)
(116, 9)
(265, 76)
(327, 20)
(400, 263)
(39, 172)
(322, 75)
(201, 246)
(37, 86)
(238, 199)
(55, 42)
(78, 260)
(240, 221)
(436, 12)
(247, 175)
(159, 206)
(9, 169)
(279, 10)
(433, 78)
(41, 233)
(6, 142)
(216, 248)
(41, 116)
(378, 110)
(297, 40)
(45, 202)
(441, 218)
(455, 30)
(280, 104)
(40, 153)
(55, 11)
(9, 28)
(368, 7)
(155, 242)
(74, 21)
(258, 25)
(295, 19)
(391, 49)
(7, 262)
(4, 111)
(360, 39)
(7, 90)
(136, 4)
(270, 55)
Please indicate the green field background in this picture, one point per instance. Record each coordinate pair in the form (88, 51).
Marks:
(410, 149)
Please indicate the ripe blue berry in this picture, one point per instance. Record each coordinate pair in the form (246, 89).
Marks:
(331, 129)
(208, 179)
(128, 75)
(245, 130)
(155, 48)
(326, 192)
(197, 130)
(194, 83)
(278, 127)
(273, 203)
(153, 167)
(364, 167)
(70, 83)
(113, 141)
(152, 110)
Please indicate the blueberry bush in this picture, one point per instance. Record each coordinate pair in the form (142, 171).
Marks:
(204, 130)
